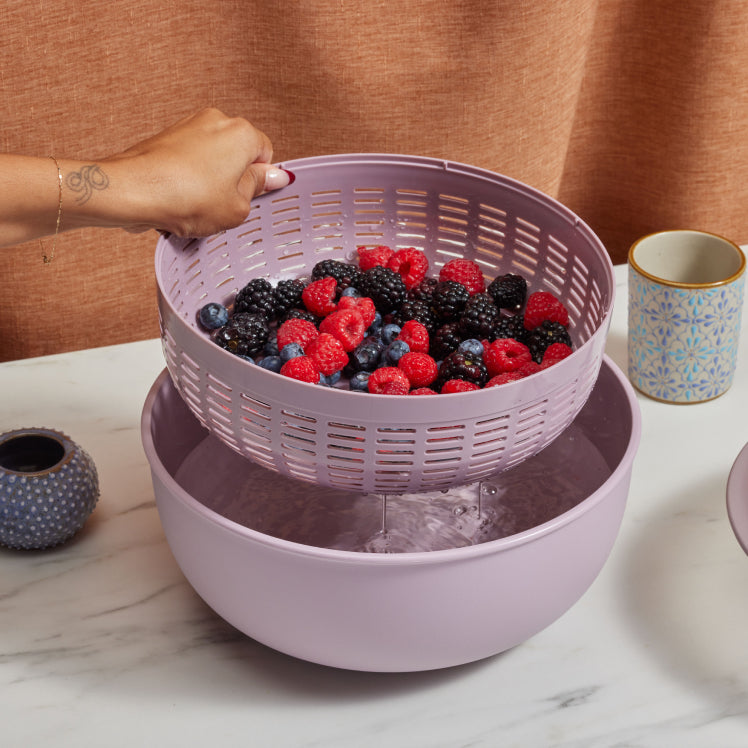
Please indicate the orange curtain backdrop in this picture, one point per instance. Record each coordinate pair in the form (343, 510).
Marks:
(629, 112)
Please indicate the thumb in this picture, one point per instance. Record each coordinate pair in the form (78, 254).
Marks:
(260, 178)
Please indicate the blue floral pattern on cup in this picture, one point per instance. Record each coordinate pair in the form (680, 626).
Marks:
(683, 342)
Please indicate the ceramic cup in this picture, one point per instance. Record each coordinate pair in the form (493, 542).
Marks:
(48, 488)
(685, 304)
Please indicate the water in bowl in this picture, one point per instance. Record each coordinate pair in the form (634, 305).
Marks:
(541, 488)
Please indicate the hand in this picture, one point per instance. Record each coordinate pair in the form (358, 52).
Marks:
(198, 176)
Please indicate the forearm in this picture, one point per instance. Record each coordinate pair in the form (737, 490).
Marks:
(194, 178)
(90, 194)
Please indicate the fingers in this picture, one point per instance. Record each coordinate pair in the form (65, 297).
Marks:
(260, 178)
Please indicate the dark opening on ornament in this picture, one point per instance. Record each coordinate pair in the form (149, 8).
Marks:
(30, 453)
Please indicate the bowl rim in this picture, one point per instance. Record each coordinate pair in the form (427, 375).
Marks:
(411, 407)
(737, 505)
(397, 559)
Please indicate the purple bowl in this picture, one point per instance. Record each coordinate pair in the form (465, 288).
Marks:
(273, 556)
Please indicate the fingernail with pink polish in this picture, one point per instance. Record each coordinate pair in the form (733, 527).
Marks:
(277, 178)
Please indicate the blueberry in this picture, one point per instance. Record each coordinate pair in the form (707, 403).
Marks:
(289, 351)
(390, 332)
(213, 315)
(366, 356)
(330, 380)
(395, 351)
(350, 291)
(271, 363)
(359, 382)
(376, 324)
(471, 346)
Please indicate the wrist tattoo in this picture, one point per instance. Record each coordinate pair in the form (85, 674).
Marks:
(84, 181)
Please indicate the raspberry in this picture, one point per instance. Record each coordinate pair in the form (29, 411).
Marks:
(319, 296)
(458, 385)
(362, 304)
(411, 264)
(543, 306)
(420, 368)
(327, 353)
(505, 354)
(369, 257)
(554, 353)
(529, 368)
(466, 272)
(346, 325)
(415, 335)
(299, 331)
(423, 391)
(301, 368)
(505, 378)
(389, 380)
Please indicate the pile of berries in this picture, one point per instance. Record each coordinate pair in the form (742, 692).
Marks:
(385, 326)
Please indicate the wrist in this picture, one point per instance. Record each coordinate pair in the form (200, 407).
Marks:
(102, 193)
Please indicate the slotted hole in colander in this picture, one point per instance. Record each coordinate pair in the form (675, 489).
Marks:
(530, 241)
(257, 431)
(454, 233)
(187, 373)
(527, 251)
(349, 459)
(259, 446)
(188, 365)
(346, 437)
(215, 392)
(253, 416)
(496, 443)
(526, 262)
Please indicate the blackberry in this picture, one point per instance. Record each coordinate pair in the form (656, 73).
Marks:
(384, 287)
(445, 340)
(543, 335)
(256, 298)
(244, 334)
(448, 300)
(346, 275)
(299, 313)
(424, 291)
(510, 326)
(287, 295)
(419, 311)
(479, 318)
(508, 291)
(465, 366)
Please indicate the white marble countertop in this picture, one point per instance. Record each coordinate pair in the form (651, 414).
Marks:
(104, 643)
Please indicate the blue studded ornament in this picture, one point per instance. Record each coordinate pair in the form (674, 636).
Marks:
(48, 488)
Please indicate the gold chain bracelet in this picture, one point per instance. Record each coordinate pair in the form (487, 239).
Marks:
(45, 258)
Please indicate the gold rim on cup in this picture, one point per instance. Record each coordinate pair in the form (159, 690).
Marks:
(684, 284)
